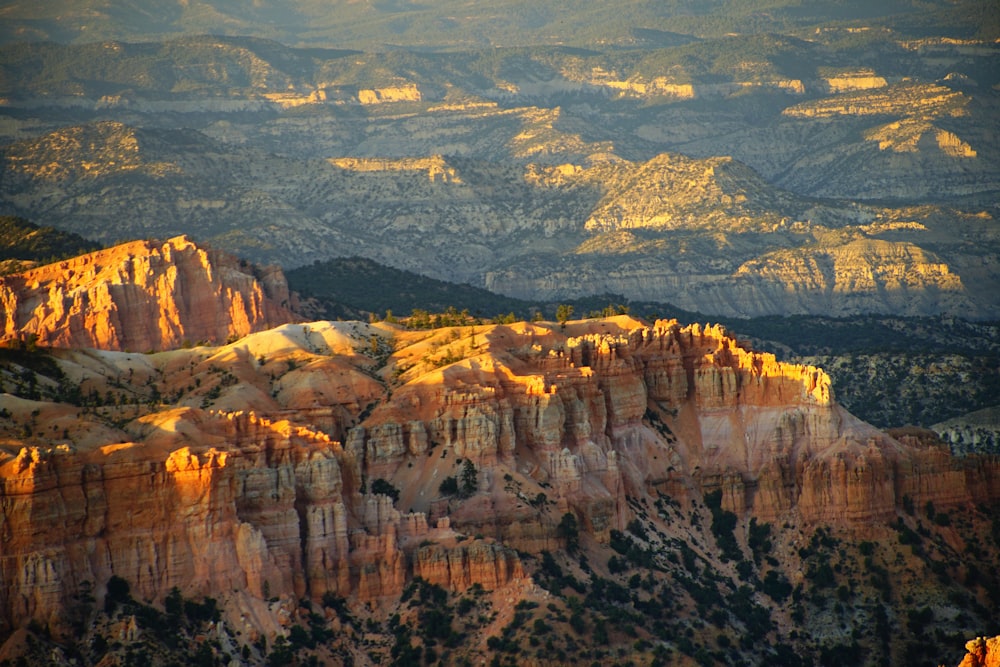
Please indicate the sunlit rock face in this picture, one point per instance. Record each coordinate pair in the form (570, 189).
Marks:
(321, 467)
(264, 506)
(982, 652)
(141, 296)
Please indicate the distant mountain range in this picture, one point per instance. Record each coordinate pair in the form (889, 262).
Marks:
(455, 23)
(832, 159)
(708, 235)
(862, 177)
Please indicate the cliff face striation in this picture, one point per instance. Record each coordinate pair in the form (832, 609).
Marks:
(143, 295)
(209, 502)
(335, 484)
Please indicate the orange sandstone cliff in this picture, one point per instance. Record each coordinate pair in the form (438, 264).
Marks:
(252, 466)
(982, 652)
(143, 295)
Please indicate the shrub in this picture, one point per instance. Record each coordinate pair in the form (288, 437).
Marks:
(206, 611)
(822, 576)
(723, 524)
(620, 542)
(918, 619)
(380, 486)
(298, 638)
(636, 528)
(449, 486)
(174, 602)
(759, 539)
(118, 589)
(776, 586)
(118, 593)
(907, 535)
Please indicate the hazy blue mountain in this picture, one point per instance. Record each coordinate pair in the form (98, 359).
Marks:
(457, 23)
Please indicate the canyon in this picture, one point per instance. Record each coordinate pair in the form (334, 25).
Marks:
(841, 171)
(306, 460)
(705, 234)
(199, 465)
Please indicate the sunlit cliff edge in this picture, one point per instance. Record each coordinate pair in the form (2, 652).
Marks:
(982, 652)
(143, 295)
(309, 459)
(249, 467)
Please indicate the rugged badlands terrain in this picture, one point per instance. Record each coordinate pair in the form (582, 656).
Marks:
(605, 490)
(836, 169)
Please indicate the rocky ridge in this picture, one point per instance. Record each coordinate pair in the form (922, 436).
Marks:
(977, 431)
(684, 171)
(143, 295)
(704, 234)
(270, 447)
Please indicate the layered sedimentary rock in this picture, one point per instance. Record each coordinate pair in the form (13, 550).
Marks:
(143, 295)
(264, 506)
(707, 233)
(587, 415)
(318, 493)
(407, 92)
(458, 568)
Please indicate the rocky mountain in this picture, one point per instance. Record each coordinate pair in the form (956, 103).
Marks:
(840, 170)
(191, 472)
(705, 234)
(982, 652)
(143, 295)
(350, 467)
(889, 371)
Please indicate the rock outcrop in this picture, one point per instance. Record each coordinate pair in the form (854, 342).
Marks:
(319, 492)
(407, 92)
(141, 296)
(264, 506)
(982, 652)
(976, 432)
